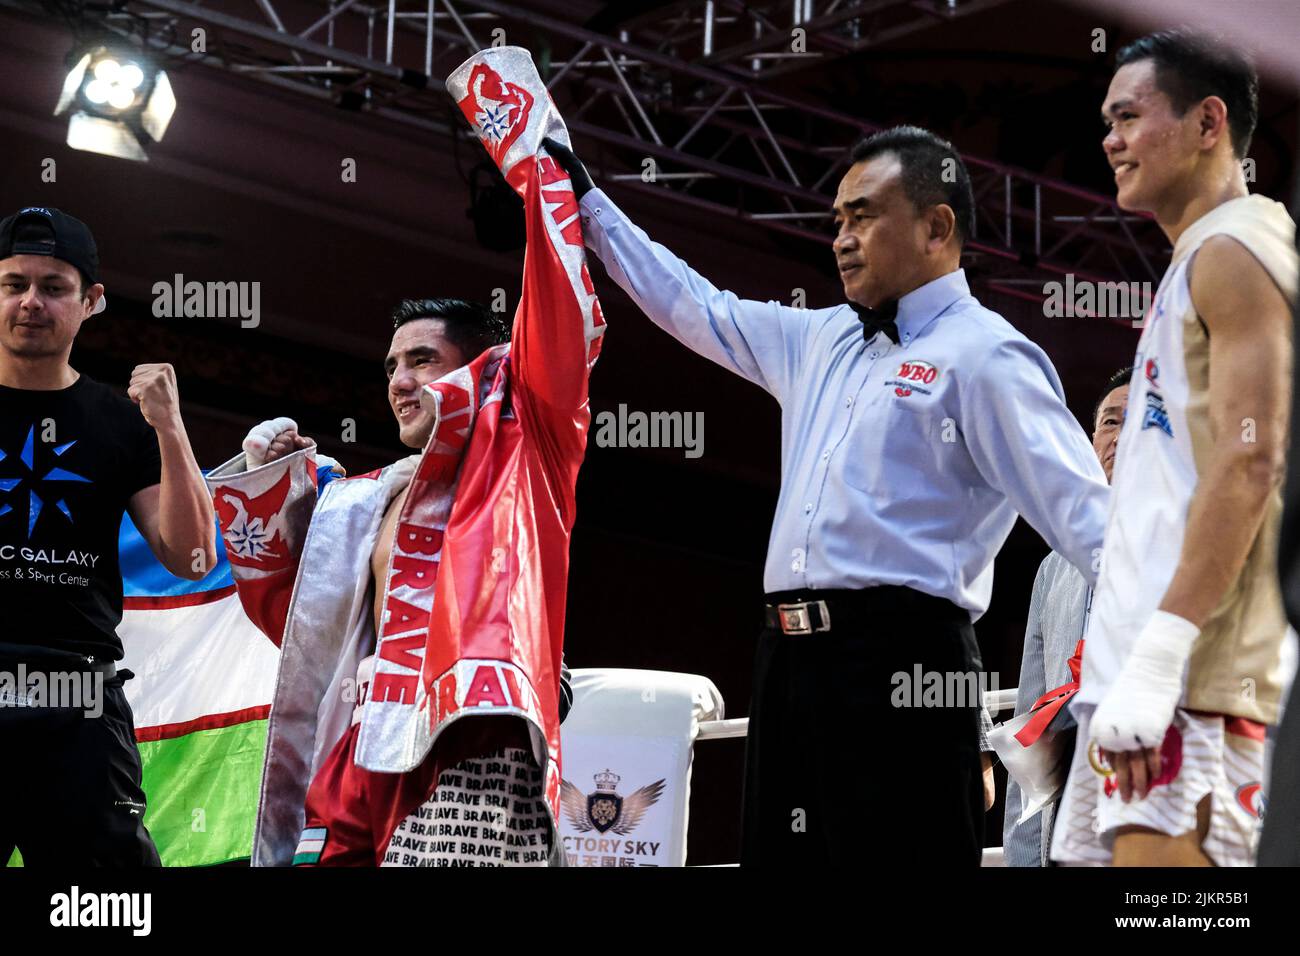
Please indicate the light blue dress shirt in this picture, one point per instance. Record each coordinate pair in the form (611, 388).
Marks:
(901, 464)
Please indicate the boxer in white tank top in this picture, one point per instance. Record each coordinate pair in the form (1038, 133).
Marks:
(1181, 661)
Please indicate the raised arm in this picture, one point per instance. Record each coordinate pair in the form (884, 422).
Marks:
(175, 515)
(559, 326)
(761, 341)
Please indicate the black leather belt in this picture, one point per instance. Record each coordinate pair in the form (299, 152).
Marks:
(850, 610)
(803, 617)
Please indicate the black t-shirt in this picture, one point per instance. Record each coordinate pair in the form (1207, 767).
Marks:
(70, 460)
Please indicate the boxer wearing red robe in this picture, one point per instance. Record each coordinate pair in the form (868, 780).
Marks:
(371, 757)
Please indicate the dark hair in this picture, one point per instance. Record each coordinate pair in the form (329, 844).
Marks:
(471, 326)
(1120, 378)
(1189, 67)
(926, 160)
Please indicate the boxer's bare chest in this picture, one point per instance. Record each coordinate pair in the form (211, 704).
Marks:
(383, 548)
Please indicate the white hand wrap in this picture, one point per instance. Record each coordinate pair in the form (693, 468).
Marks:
(1139, 707)
(259, 439)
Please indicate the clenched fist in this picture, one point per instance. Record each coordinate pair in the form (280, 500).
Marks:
(153, 388)
(273, 439)
(286, 443)
(276, 438)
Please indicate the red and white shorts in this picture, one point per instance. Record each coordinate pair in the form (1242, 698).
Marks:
(484, 812)
(1202, 753)
(474, 802)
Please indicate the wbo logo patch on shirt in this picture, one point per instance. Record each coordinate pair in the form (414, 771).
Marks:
(913, 376)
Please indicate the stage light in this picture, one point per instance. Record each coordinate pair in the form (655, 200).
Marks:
(132, 76)
(118, 103)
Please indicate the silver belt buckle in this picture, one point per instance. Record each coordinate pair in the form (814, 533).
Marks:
(795, 618)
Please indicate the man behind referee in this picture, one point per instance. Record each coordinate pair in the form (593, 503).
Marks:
(915, 425)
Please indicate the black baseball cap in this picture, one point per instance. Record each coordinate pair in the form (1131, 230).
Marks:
(44, 231)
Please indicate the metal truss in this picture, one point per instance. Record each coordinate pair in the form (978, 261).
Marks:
(666, 104)
(770, 38)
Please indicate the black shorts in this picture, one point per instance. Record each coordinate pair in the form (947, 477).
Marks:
(70, 787)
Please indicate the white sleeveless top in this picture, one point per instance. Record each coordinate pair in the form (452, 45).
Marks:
(1163, 445)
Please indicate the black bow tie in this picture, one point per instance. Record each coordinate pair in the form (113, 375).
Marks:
(880, 319)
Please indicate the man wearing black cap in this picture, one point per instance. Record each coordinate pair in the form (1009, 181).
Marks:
(74, 456)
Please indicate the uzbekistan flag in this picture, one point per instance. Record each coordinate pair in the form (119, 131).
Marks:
(204, 678)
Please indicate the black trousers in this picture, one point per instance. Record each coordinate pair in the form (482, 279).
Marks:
(841, 766)
(70, 786)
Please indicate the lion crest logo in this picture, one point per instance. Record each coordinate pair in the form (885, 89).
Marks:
(605, 809)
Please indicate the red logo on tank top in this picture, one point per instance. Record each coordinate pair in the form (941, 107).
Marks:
(1251, 798)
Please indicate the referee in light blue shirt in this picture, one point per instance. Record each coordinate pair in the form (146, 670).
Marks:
(915, 425)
